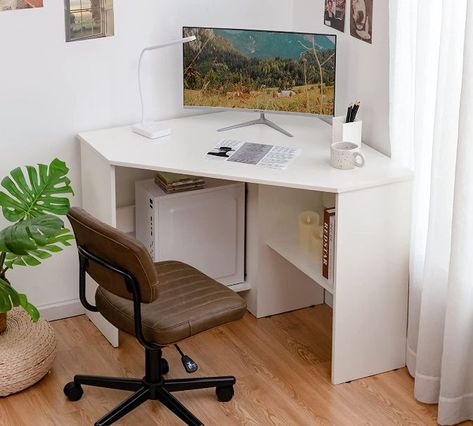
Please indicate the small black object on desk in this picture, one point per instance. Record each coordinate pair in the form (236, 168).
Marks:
(352, 111)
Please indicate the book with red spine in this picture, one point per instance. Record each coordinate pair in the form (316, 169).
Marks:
(328, 243)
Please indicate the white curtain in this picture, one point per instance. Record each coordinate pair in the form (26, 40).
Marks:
(432, 132)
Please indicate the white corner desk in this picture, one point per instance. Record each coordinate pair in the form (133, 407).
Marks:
(370, 289)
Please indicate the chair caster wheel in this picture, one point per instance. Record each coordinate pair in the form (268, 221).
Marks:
(225, 394)
(73, 391)
(164, 366)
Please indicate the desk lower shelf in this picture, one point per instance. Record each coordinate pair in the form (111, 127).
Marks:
(238, 288)
(289, 249)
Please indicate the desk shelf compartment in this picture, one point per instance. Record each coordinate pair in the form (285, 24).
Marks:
(290, 250)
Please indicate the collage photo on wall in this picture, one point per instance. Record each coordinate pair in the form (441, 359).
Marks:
(360, 17)
(84, 19)
(88, 19)
(20, 4)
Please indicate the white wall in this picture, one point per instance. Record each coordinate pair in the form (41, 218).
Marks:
(50, 89)
(362, 68)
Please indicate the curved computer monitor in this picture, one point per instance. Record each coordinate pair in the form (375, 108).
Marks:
(260, 70)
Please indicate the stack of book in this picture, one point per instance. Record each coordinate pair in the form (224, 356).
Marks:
(174, 182)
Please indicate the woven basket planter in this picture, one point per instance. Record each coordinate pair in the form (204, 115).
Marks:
(27, 352)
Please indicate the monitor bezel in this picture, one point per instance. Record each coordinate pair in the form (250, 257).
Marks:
(270, 111)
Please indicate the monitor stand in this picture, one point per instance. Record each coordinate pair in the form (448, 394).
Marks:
(261, 120)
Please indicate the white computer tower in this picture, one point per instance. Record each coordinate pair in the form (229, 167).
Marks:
(204, 228)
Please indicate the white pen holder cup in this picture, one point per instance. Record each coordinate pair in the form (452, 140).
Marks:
(346, 132)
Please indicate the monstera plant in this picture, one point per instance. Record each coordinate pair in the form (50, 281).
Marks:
(32, 199)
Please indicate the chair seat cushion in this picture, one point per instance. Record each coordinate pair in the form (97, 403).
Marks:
(189, 302)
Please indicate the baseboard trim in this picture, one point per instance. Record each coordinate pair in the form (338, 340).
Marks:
(60, 310)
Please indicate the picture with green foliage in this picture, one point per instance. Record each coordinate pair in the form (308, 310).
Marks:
(260, 70)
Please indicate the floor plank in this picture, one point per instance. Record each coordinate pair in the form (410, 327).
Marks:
(282, 365)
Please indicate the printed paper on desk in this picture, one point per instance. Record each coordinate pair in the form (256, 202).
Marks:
(224, 150)
(279, 157)
(263, 155)
(251, 153)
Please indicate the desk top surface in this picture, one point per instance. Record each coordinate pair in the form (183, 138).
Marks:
(193, 136)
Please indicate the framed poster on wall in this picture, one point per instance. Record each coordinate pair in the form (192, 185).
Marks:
(87, 19)
(361, 20)
(334, 14)
(20, 4)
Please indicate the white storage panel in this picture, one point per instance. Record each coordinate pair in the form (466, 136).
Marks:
(204, 228)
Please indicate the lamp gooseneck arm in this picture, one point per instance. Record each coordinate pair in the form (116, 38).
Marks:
(140, 85)
(146, 49)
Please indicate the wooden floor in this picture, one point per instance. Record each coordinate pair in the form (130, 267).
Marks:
(282, 365)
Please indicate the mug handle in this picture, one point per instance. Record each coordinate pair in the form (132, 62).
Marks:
(361, 157)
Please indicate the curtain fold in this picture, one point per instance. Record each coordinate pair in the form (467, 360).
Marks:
(432, 132)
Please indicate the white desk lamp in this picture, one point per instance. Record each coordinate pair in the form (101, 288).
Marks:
(153, 129)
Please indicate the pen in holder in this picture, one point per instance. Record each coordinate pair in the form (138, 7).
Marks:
(346, 132)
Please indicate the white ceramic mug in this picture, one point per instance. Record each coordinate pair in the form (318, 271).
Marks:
(346, 155)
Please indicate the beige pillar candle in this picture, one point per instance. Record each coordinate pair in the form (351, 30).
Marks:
(316, 242)
(308, 222)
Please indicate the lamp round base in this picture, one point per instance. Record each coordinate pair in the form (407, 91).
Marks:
(152, 130)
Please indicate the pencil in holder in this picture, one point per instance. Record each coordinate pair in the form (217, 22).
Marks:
(346, 132)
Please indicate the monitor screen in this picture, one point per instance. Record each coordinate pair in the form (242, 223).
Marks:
(260, 70)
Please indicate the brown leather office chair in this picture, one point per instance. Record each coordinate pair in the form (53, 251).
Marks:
(160, 303)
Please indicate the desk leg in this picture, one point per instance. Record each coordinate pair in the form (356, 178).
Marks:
(99, 199)
(371, 281)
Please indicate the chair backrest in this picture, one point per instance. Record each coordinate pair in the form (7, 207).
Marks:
(120, 250)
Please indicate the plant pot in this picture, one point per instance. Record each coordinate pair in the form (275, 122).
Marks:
(27, 352)
(3, 322)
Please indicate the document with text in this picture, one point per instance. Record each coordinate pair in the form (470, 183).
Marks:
(263, 155)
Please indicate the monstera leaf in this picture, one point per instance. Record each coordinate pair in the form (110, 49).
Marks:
(10, 298)
(30, 241)
(37, 193)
